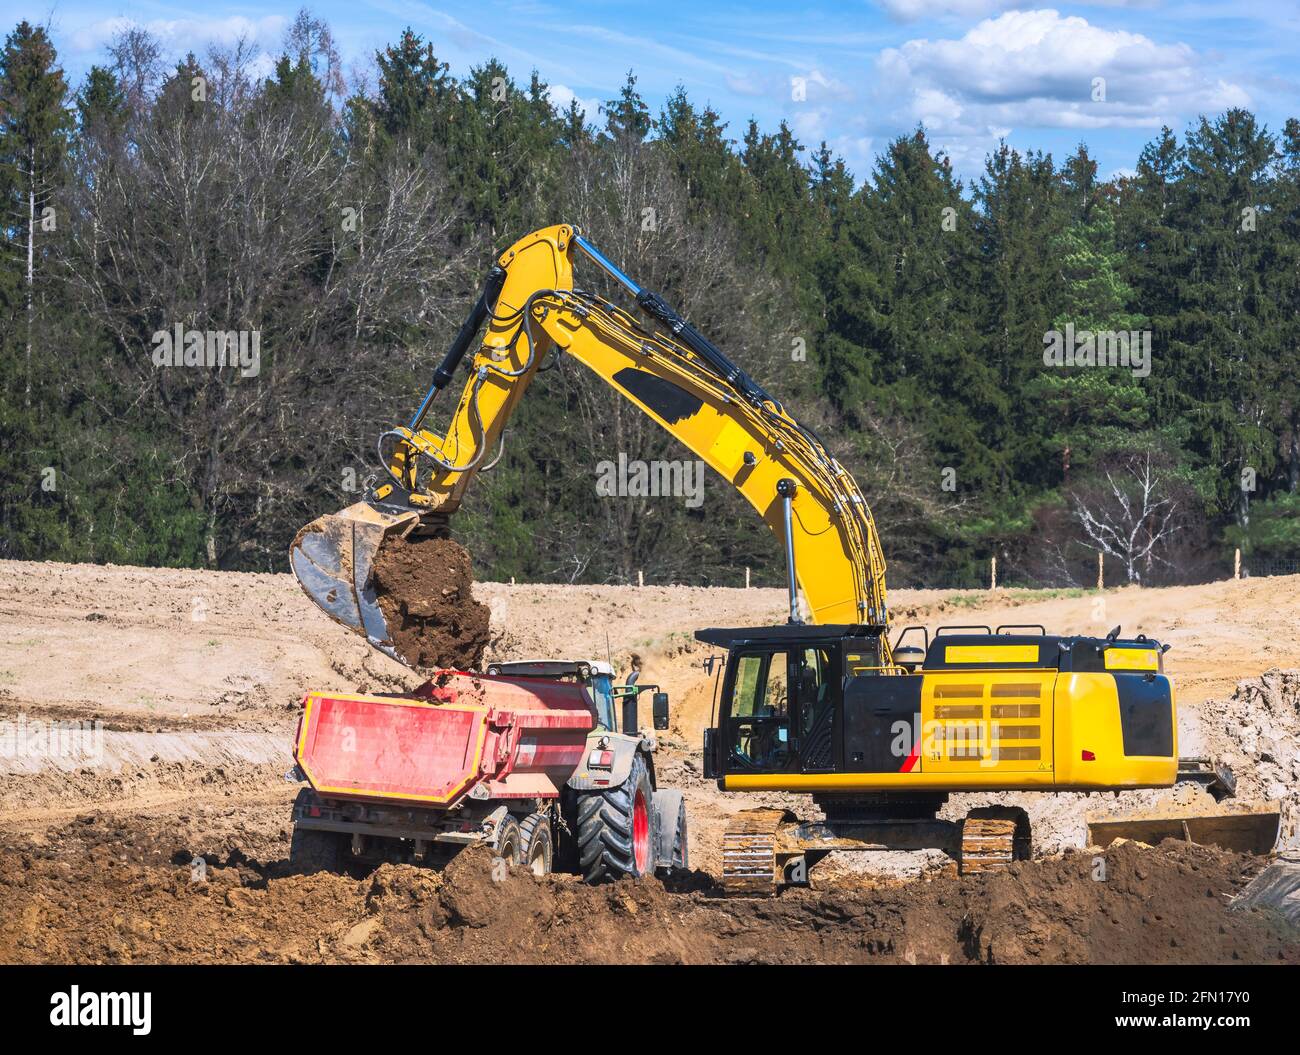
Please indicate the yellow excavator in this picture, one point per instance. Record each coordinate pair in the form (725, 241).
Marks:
(879, 732)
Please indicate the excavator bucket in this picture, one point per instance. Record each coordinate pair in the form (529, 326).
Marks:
(333, 558)
(1244, 827)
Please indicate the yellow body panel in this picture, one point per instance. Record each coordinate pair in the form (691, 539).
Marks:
(990, 654)
(1092, 724)
(1132, 659)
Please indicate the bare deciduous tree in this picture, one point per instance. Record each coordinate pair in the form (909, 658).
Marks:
(239, 212)
(623, 195)
(1130, 512)
(138, 64)
(309, 39)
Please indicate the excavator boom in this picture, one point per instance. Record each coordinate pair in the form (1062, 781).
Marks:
(661, 364)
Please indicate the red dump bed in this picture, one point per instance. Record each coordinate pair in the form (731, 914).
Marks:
(519, 738)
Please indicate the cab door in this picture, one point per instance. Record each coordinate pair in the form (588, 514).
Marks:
(757, 735)
(816, 711)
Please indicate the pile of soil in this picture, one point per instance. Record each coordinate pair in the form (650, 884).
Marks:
(1257, 733)
(425, 590)
(104, 890)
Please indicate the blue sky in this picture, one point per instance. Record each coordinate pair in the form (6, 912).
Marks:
(855, 73)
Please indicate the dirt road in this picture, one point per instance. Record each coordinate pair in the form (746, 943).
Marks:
(160, 833)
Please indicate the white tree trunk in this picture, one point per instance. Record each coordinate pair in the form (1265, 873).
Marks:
(31, 268)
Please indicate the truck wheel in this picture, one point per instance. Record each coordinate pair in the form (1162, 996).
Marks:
(616, 835)
(535, 851)
(312, 851)
(316, 851)
(507, 840)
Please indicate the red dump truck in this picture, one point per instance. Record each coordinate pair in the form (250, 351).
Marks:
(528, 758)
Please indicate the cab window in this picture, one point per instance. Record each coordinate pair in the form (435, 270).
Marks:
(759, 732)
(602, 690)
(814, 694)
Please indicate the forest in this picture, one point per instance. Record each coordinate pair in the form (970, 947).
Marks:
(1038, 365)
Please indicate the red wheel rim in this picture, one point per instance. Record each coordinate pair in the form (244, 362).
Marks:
(641, 834)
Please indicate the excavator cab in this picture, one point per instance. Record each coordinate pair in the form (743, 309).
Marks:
(782, 697)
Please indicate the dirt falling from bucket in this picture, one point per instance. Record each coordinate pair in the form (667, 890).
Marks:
(425, 589)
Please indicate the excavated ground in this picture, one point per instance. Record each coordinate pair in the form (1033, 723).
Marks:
(104, 891)
(161, 835)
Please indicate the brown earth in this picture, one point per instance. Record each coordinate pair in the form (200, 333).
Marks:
(101, 891)
(425, 589)
(195, 677)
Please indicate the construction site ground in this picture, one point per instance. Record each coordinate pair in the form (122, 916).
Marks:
(171, 844)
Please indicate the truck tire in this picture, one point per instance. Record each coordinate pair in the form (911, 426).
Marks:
(535, 850)
(316, 851)
(312, 851)
(507, 841)
(616, 835)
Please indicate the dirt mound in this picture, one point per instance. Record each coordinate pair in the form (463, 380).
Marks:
(1257, 733)
(425, 590)
(107, 891)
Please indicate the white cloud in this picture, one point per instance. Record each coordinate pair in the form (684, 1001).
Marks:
(187, 34)
(934, 107)
(810, 126)
(1040, 69)
(562, 95)
(913, 10)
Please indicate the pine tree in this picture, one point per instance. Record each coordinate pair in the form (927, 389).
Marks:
(416, 96)
(34, 127)
(1089, 411)
(696, 141)
(1224, 332)
(628, 116)
(1019, 212)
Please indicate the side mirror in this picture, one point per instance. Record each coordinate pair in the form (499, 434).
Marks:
(631, 721)
(710, 754)
(660, 704)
